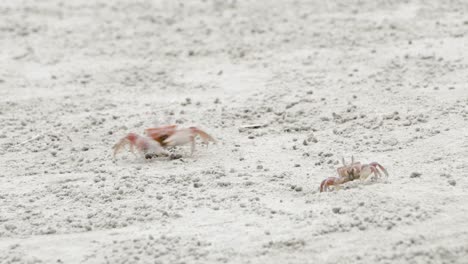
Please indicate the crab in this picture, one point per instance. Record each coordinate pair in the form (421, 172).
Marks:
(145, 145)
(171, 135)
(351, 172)
(157, 139)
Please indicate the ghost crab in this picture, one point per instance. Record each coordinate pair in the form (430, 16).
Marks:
(157, 139)
(351, 172)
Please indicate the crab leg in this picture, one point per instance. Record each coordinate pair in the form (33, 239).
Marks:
(376, 171)
(132, 149)
(324, 186)
(192, 146)
(204, 136)
(377, 165)
(372, 170)
(119, 145)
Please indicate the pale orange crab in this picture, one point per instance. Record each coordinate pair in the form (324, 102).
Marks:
(159, 138)
(171, 135)
(351, 172)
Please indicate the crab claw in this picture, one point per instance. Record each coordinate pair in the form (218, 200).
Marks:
(377, 165)
(180, 137)
(144, 145)
(121, 144)
(325, 185)
(153, 147)
(129, 139)
(204, 136)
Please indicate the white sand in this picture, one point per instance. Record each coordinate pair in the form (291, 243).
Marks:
(384, 81)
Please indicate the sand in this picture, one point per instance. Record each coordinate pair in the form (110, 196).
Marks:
(382, 81)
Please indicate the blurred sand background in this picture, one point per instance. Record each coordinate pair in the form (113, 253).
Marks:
(384, 81)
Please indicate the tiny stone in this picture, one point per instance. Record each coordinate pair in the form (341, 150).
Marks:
(452, 182)
(336, 210)
(391, 141)
(298, 189)
(415, 175)
(10, 227)
(407, 123)
(50, 231)
(175, 156)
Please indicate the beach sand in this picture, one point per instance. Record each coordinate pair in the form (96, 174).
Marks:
(382, 81)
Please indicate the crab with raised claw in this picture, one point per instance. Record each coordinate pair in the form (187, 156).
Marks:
(351, 172)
